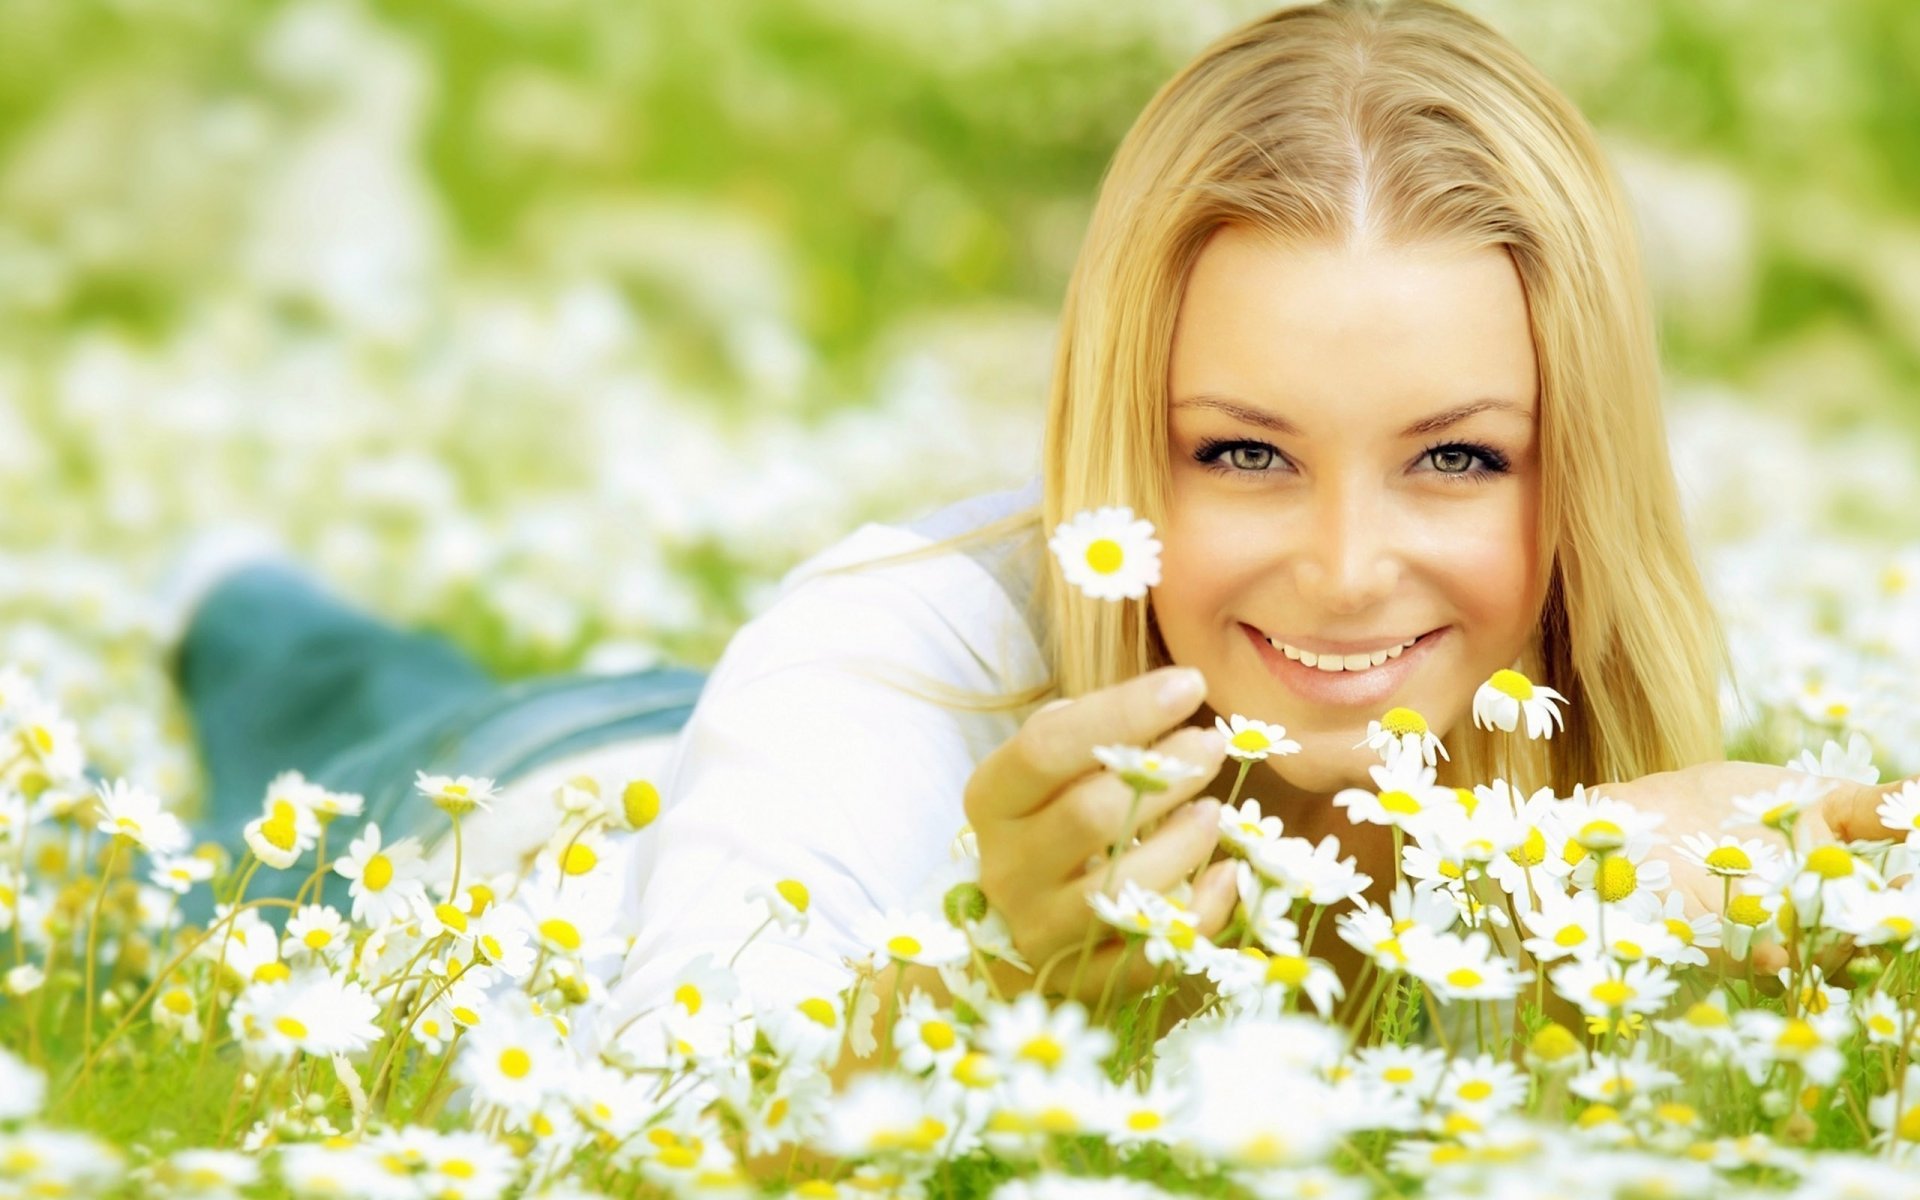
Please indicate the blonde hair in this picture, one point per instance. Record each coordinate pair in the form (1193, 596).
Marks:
(1406, 122)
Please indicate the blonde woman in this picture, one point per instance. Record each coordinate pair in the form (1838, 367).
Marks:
(1359, 325)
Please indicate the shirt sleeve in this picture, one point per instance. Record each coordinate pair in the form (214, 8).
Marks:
(802, 761)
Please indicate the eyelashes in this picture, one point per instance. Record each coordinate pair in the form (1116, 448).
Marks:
(1491, 463)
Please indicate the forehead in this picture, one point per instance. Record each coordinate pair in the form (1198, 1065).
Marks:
(1340, 332)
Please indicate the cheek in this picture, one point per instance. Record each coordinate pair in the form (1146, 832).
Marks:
(1203, 566)
(1489, 567)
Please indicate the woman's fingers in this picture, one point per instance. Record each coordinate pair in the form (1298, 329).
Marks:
(1092, 814)
(1169, 856)
(1055, 745)
(1852, 810)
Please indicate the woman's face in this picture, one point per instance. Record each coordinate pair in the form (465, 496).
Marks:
(1354, 466)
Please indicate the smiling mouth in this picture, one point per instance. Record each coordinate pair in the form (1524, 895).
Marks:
(1336, 664)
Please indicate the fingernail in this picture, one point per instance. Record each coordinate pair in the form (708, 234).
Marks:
(1181, 689)
(1202, 812)
(1213, 743)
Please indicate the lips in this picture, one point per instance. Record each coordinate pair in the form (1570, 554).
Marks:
(1368, 687)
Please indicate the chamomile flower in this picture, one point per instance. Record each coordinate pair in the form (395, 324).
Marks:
(1481, 1087)
(886, 1115)
(1503, 699)
(1402, 733)
(1601, 987)
(206, 1174)
(385, 886)
(1621, 1078)
(1030, 1035)
(788, 903)
(1303, 870)
(314, 932)
(1249, 740)
(1146, 770)
(310, 1013)
(1108, 553)
(1854, 763)
(1829, 875)
(1882, 1019)
(1888, 917)
(1810, 1040)
(177, 1011)
(50, 743)
(456, 795)
(809, 1031)
(1778, 808)
(135, 814)
(1377, 932)
(1896, 1114)
(514, 1062)
(1409, 1070)
(1900, 812)
(1729, 857)
(179, 872)
(1460, 968)
(1243, 828)
(1705, 1027)
(913, 937)
(1404, 793)
(1752, 914)
(276, 841)
(927, 1036)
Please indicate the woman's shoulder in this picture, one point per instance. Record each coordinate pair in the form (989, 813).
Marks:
(853, 595)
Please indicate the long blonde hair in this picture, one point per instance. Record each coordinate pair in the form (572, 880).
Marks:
(1405, 122)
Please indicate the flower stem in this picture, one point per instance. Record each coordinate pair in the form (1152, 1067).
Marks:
(93, 932)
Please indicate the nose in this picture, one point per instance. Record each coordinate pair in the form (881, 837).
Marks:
(1350, 561)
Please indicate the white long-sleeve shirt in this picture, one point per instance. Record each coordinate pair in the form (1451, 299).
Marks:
(798, 764)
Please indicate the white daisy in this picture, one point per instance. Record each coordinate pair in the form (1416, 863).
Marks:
(807, 1032)
(1402, 732)
(385, 884)
(927, 1036)
(513, 1062)
(1249, 740)
(1601, 987)
(456, 795)
(316, 932)
(50, 743)
(1146, 770)
(787, 901)
(1729, 857)
(1778, 808)
(1900, 812)
(1404, 793)
(1243, 827)
(1854, 763)
(913, 937)
(1108, 553)
(1503, 699)
(1029, 1035)
(136, 814)
(310, 1013)
(179, 872)
(1460, 968)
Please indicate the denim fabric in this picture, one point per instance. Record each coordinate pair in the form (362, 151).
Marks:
(278, 674)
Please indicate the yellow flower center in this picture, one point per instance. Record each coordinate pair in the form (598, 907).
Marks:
(1143, 1121)
(1397, 1075)
(1474, 1090)
(1569, 936)
(579, 859)
(1251, 740)
(1104, 555)
(1747, 910)
(278, 834)
(318, 939)
(1512, 683)
(1681, 930)
(377, 874)
(793, 892)
(1532, 850)
(1288, 969)
(1044, 1050)
(1729, 860)
(272, 972)
(1612, 992)
(688, 997)
(640, 802)
(561, 933)
(820, 1012)
(290, 1028)
(1908, 1127)
(177, 1001)
(1615, 879)
(1798, 1036)
(1465, 977)
(515, 1062)
(1403, 721)
(1830, 862)
(1399, 802)
(938, 1035)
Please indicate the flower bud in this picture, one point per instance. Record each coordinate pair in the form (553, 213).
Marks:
(964, 904)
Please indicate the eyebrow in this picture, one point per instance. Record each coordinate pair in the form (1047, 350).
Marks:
(1241, 411)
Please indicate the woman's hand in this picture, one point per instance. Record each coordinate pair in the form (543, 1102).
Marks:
(1041, 807)
(1699, 799)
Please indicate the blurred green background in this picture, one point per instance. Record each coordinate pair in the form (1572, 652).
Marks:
(566, 326)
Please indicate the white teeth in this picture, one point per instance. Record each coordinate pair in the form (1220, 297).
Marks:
(1333, 663)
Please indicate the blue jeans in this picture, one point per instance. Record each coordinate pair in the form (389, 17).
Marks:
(278, 674)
